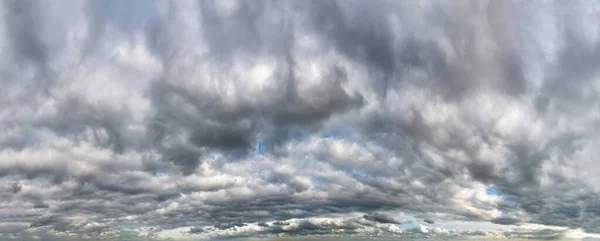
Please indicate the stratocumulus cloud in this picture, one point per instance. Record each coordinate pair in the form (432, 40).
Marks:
(233, 119)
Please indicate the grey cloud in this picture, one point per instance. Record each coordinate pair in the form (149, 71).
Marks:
(474, 233)
(428, 221)
(365, 34)
(506, 220)
(241, 31)
(577, 64)
(16, 187)
(229, 225)
(74, 114)
(314, 227)
(280, 223)
(41, 205)
(544, 234)
(12, 228)
(197, 230)
(25, 21)
(358, 108)
(214, 126)
(55, 220)
(262, 224)
(381, 218)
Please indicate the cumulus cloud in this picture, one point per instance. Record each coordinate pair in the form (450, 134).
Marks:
(130, 120)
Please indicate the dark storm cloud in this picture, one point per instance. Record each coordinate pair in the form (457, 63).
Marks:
(236, 114)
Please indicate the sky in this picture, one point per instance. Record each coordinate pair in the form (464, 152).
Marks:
(299, 120)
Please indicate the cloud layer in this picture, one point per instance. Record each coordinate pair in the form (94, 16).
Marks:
(227, 118)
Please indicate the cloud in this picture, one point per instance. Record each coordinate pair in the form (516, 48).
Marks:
(505, 220)
(16, 187)
(41, 205)
(197, 230)
(544, 234)
(122, 124)
(381, 218)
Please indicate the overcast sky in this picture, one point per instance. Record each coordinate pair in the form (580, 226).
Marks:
(289, 120)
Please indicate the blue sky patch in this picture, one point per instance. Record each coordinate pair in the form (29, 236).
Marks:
(492, 191)
(259, 147)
